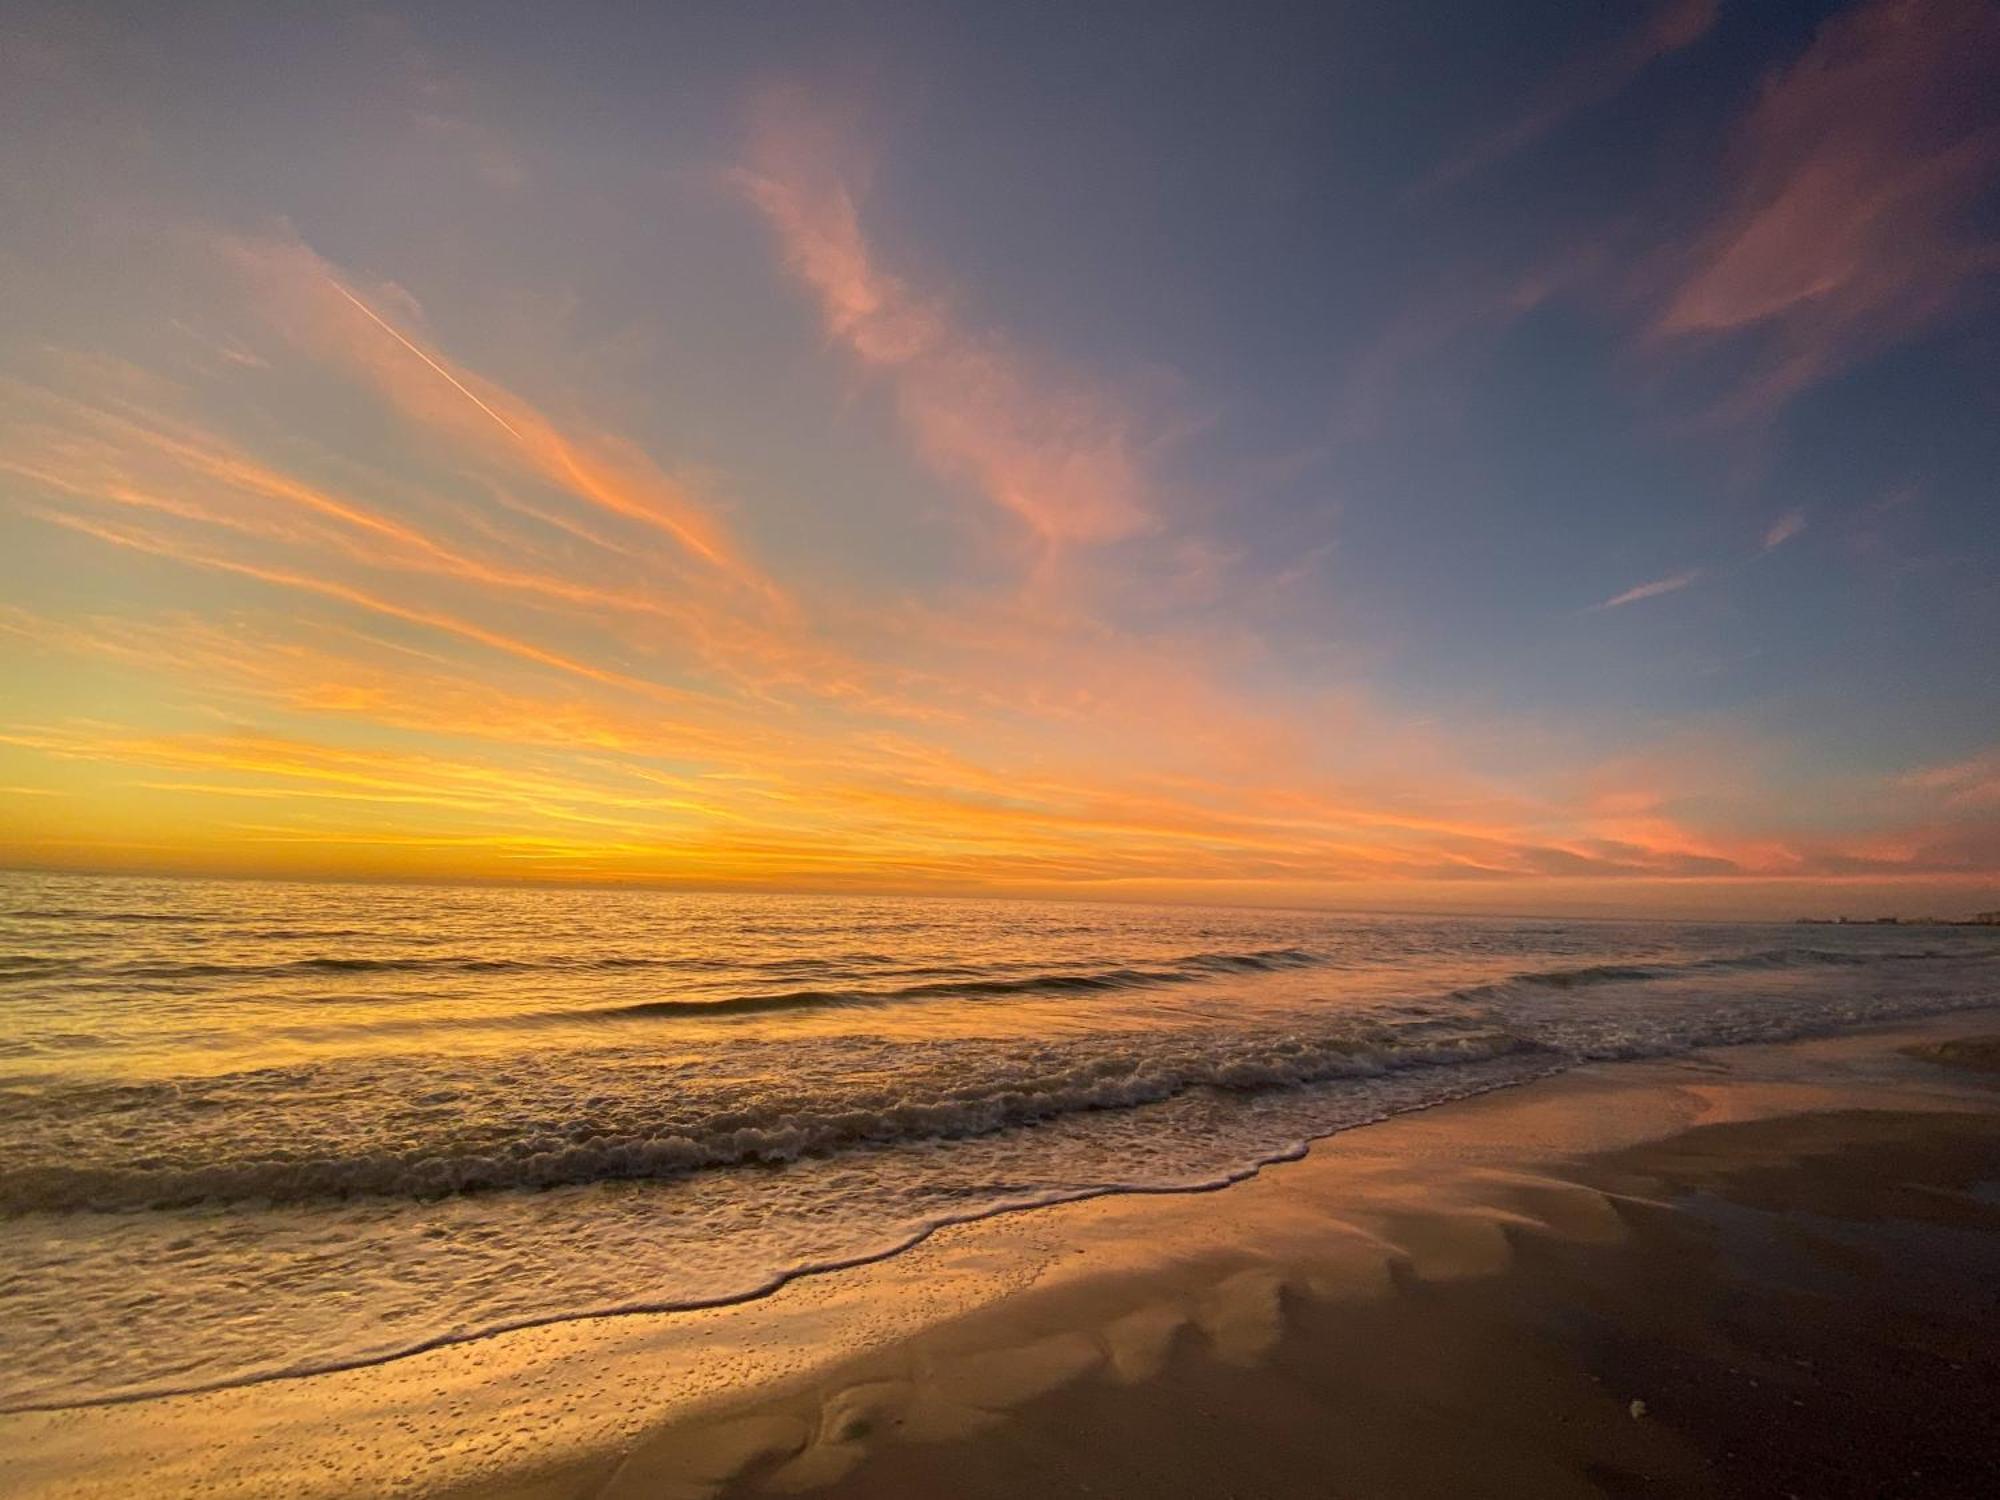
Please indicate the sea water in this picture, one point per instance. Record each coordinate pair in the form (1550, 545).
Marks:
(254, 1129)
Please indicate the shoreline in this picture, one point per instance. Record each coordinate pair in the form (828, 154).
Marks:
(761, 1392)
(1296, 1151)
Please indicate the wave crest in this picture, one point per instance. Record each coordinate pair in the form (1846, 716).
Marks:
(776, 1133)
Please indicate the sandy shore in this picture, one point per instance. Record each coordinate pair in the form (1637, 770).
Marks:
(1759, 1271)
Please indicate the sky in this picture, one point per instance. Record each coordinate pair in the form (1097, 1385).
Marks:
(1531, 458)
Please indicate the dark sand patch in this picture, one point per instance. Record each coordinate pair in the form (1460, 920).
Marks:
(1979, 1053)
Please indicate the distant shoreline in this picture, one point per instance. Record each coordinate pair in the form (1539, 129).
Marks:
(1982, 919)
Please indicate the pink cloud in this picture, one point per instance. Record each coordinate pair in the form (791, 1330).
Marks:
(1782, 530)
(1965, 784)
(1060, 454)
(1842, 232)
(1589, 78)
(1653, 590)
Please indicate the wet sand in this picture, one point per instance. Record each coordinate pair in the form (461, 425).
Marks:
(1794, 1307)
(1760, 1271)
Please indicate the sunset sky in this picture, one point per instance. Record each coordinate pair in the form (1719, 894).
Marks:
(1536, 457)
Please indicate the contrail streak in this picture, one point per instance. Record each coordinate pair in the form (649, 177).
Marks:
(457, 384)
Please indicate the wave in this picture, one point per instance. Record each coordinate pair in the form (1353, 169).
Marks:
(582, 1129)
(33, 964)
(302, 934)
(84, 914)
(335, 964)
(1763, 959)
(993, 981)
(966, 983)
(775, 1133)
(1178, 971)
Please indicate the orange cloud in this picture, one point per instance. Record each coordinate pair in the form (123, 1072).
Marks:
(346, 594)
(457, 679)
(313, 304)
(877, 805)
(136, 457)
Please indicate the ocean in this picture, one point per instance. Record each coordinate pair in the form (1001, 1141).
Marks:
(257, 1129)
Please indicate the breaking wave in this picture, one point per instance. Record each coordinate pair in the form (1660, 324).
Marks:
(780, 1131)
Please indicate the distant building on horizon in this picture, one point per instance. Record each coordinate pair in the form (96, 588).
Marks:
(1977, 919)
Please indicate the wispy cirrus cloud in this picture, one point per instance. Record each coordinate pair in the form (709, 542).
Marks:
(1589, 78)
(1671, 584)
(1962, 785)
(312, 303)
(1782, 530)
(100, 459)
(1060, 453)
(1848, 223)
